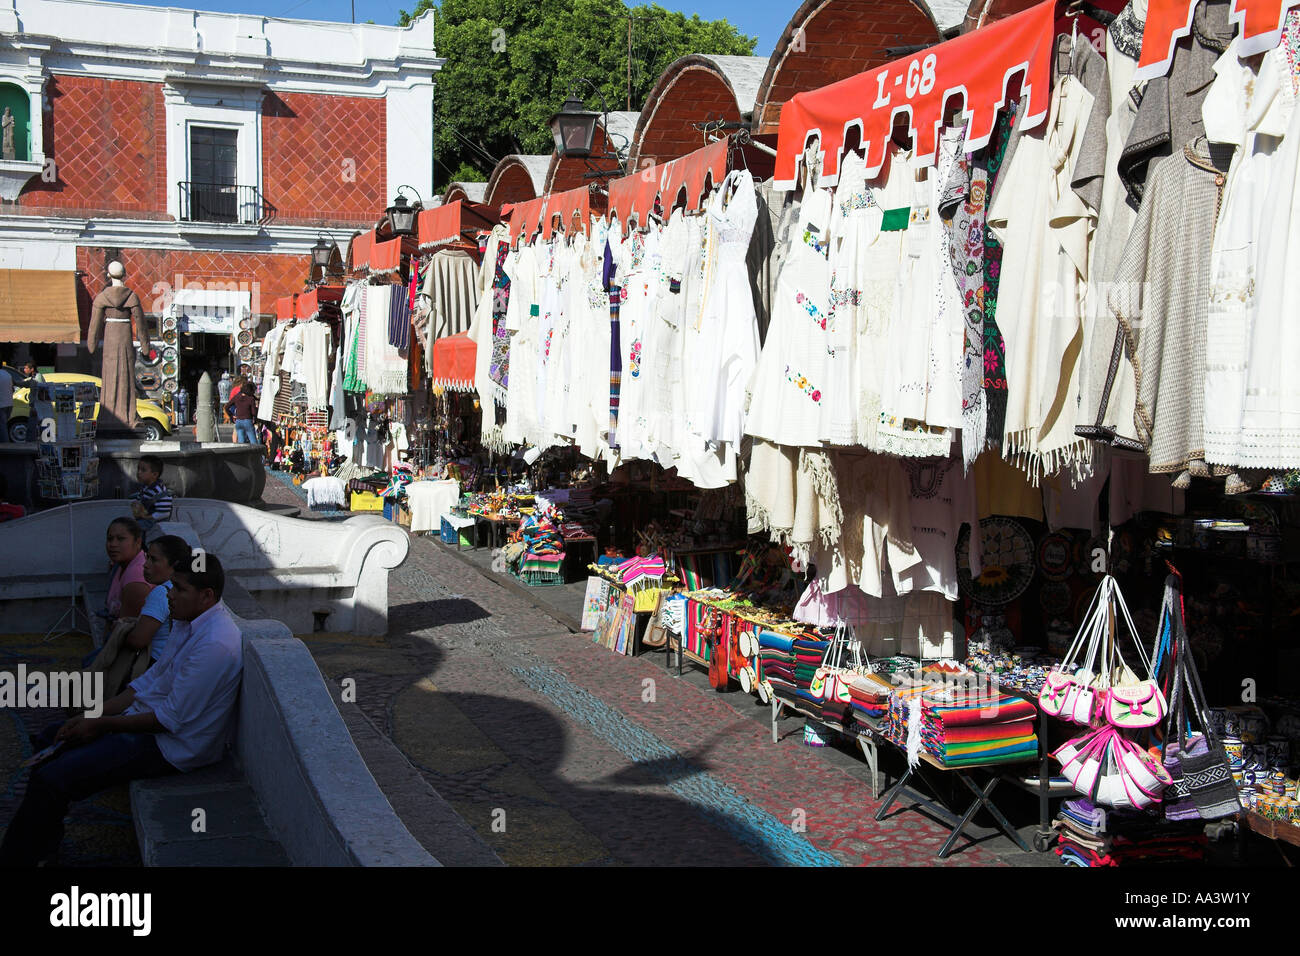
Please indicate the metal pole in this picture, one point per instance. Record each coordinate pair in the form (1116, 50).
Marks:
(629, 65)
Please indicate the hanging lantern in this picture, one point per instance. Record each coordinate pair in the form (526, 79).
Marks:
(574, 128)
(321, 252)
(401, 217)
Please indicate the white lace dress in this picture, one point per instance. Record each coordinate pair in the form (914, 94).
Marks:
(786, 407)
(921, 388)
(855, 223)
(728, 325)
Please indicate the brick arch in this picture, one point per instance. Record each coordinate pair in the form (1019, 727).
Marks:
(692, 89)
(467, 192)
(839, 39)
(514, 179)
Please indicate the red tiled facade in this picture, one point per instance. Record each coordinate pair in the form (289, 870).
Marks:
(324, 157)
(107, 139)
(152, 272)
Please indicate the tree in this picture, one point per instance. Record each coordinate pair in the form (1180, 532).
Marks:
(511, 63)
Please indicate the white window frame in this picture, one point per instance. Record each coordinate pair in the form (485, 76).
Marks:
(233, 107)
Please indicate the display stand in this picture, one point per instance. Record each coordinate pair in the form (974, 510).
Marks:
(866, 738)
(946, 814)
(67, 467)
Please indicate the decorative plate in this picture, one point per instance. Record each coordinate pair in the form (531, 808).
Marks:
(1056, 556)
(151, 357)
(1054, 596)
(245, 354)
(169, 369)
(169, 336)
(169, 385)
(246, 322)
(169, 323)
(1008, 562)
(245, 336)
(169, 353)
(148, 380)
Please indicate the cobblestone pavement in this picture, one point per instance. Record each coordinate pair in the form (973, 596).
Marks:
(559, 752)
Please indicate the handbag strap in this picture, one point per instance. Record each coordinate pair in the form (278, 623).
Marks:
(1085, 628)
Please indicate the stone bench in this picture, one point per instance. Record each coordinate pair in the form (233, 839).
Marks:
(310, 575)
(294, 790)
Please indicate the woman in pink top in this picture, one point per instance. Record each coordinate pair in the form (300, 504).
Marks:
(127, 589)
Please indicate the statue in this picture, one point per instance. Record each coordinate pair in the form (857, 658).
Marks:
(117, 317)
(7, 125)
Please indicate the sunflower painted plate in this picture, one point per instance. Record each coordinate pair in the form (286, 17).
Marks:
(1008, 565)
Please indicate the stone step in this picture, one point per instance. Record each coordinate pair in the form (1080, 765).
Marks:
(234, 830)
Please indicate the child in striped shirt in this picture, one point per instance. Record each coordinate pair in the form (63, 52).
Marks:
(153, 502)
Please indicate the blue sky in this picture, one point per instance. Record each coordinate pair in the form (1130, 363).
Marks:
(764, 19)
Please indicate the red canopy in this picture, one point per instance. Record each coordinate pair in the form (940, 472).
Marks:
(386, 256)
(636, 193)
(527, 215)
(976, 68)
(1260, 23)
(449, 222)
(309, 303)
(359, 251)
(454, 362)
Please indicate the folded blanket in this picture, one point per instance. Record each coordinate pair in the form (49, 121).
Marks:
(1000, 708)
(776, 641)
(984, 732)
(1019, 753)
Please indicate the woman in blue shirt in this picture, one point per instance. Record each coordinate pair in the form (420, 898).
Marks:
(153, 627)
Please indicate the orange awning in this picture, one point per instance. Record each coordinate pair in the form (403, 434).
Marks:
(309, 303)
(453, 363)
(386, 256)
(359, 251)
(39, 305)
(636, 193)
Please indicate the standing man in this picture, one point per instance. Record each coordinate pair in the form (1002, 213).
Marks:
(245, 405)
(6, 403)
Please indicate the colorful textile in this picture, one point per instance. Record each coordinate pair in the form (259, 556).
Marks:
(995, 353)
(499, 368)
(999, 708)
(615, 362)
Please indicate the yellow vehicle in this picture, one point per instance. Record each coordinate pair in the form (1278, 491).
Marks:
(153, 418)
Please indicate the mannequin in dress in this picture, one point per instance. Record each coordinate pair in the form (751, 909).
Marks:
(117, 319)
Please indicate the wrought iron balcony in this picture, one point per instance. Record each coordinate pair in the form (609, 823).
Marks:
(215, 202)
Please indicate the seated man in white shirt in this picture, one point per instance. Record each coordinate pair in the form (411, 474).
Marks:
(176, 716)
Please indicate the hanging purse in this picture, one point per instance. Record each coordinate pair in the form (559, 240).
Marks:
(1201, 780)
(1133, 704)
(1068, 691)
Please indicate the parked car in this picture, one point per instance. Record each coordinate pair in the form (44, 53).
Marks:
(152, 415)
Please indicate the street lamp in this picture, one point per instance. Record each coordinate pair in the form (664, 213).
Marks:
(401, 216)
(321, 252)
(574, 128)
(574, 131)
